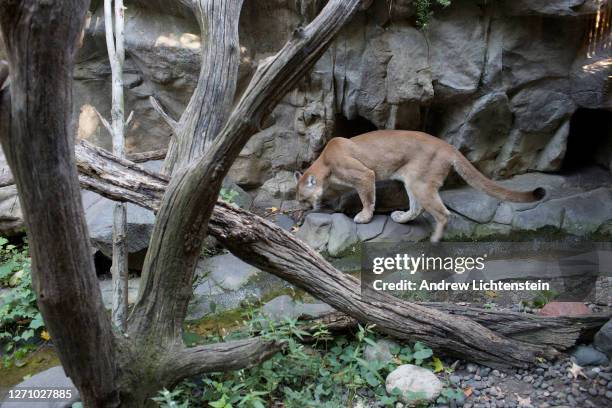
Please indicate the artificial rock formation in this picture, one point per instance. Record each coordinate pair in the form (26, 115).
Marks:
(500, 80)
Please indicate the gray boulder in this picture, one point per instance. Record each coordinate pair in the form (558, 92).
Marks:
(551, 8)
(282, 307)
(225, 282)
(99, 217)
(343, 234)
(589, 356)
(471, 203)
(603, 339)
(371, 230)
(414, 231)
(409, 378)
(315, 230)
(11, 218)
(54, 377)
(458, 36)
(106, 287)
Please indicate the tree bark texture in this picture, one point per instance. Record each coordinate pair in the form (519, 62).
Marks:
(38, 140)
(211, 102)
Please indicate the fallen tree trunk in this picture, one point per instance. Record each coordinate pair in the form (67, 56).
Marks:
(276, 251)
(558, 332)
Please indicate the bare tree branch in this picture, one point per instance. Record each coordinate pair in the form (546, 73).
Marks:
(147, 156)
(104, 122)
(219, 357)
(116, 56)
(128, 121)
(160, 110)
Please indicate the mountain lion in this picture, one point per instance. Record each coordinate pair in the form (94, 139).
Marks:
(420, 161)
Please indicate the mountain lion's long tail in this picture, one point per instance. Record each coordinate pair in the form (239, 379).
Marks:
(479, 181)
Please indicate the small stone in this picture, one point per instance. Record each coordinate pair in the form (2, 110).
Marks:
(410, 378)
(609, 395)
(471, 368)
(605, 376)
(593, 391)
(455, 379)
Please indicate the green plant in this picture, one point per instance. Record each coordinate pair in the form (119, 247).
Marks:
(228, 195)
(424, 12)
(166, 399)
(20, 321)
(330, 371)
(541, 299)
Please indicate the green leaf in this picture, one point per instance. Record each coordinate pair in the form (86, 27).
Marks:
(28, 334)
(423, 354)
(437, 365)
(37, 322)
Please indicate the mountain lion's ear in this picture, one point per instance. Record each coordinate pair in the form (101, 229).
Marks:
(311, 181)
(297, 175)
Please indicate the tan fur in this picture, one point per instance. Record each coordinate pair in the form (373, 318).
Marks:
(420, 161)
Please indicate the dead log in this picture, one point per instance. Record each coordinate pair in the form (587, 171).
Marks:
(558, 332)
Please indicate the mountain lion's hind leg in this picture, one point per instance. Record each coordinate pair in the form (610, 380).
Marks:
(415, 208)
(431, 201)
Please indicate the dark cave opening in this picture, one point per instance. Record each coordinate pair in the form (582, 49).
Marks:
(348, 128)
(590, 139)
(102, 264)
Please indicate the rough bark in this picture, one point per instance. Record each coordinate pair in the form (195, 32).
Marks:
(38, 140)
(312, 273)
(228, 356)
(211, 102)
(558, 332)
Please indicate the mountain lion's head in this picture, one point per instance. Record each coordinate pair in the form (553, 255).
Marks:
(309, 190)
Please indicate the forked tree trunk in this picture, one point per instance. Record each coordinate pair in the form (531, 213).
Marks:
(38, 138)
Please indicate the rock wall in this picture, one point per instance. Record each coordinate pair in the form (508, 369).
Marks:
(500, 80)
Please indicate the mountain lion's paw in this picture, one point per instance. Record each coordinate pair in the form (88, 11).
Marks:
(398, 216)
(363, 217)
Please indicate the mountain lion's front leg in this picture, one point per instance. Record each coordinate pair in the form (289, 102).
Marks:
(354, 173)
(367, 194)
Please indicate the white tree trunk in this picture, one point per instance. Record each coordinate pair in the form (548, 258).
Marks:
(116, 56)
